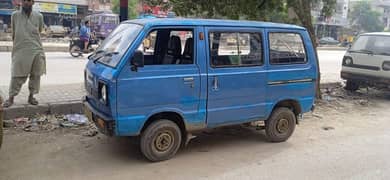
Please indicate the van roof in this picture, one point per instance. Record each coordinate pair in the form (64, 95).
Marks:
(210, 22)
(377, 34)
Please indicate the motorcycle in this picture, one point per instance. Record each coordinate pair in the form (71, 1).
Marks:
(76, 46)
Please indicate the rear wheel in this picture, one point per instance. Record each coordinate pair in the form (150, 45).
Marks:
(161, 140)
(75, 51)
(351, 85)
(280, 126)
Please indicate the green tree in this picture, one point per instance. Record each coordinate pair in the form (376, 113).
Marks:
(132, 8)
(364, 18)
(286, 11)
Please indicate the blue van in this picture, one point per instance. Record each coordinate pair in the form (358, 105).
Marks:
(199, 74)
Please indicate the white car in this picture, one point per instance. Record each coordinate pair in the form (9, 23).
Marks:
(367, 62)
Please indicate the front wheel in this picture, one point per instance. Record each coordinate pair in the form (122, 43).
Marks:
(351, 86)
(161, 140)
(75, 51)
(280, 126)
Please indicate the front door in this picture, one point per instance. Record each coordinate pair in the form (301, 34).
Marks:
(169, 81)
(236, 76)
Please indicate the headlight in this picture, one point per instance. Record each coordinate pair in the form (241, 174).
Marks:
(347, 60)
(103, 93)
(386, 66)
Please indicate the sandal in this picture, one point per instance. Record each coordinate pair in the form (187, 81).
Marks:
(32, 101)
(8, 103)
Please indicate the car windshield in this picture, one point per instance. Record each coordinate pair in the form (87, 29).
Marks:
(116, 44)
(373, 44)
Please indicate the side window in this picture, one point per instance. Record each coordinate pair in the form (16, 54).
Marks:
(233, 49)
(286, 48)
(168, 46)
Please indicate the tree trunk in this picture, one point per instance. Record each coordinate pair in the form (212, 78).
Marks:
(301, 7)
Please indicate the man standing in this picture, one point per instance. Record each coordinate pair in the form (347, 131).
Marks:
(85, 34)
(28, 58)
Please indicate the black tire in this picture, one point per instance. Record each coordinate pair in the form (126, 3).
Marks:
(75, 51)
(351, 85)
(161, 140)
(280, 126)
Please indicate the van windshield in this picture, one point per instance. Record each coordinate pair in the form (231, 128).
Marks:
(116, 44)
(372, 44)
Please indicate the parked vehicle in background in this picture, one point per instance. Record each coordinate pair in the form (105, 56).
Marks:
(56, 31)
(199, 74)
(102, 23)
(328, 41)
(367, 62)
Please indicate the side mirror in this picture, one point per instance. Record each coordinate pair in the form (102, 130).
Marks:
(137, 60)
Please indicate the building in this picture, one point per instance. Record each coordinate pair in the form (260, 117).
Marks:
(331, 26)
(68, 13)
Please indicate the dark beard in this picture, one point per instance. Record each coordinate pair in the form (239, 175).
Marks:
(27, 10)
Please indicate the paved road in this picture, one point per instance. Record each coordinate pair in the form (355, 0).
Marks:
(64, 69)
(61, 69)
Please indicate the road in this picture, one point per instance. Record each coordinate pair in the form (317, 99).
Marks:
(64, 69)
(61, 69)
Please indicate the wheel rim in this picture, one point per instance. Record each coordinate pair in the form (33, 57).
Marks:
(282, 126)
(164, 141)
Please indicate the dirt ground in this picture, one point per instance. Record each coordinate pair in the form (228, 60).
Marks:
(347, 137)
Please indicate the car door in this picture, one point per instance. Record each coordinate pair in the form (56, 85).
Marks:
(236, 75)
(166, 83)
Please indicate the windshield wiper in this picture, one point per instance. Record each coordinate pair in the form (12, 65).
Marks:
(108, 54)
(95, 54)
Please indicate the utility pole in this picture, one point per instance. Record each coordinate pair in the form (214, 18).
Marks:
(123, 11)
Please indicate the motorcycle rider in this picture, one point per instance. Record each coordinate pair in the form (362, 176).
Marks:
(85, 34)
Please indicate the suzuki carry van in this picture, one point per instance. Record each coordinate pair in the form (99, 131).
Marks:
(367, 62)
(199, 74)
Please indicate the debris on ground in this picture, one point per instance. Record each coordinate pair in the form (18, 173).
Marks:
(77, 119)
(41, 123)
(8, 123)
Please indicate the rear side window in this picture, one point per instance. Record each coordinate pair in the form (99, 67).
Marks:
(235, 49)
(286, 48)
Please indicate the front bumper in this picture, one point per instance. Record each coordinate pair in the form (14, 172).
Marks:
(372, 80)
(105, 124)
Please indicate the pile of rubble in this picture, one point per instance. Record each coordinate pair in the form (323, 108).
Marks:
(45, 123)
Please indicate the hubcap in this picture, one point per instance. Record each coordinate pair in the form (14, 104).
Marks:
(282, 126)
(163, 141)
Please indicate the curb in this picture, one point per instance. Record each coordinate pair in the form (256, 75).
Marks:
(19, 111)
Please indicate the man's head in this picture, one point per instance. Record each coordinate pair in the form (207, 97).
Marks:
(86, 23)
(27, 5)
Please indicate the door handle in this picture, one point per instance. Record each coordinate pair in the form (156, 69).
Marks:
(188, 79)
(215, 84)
